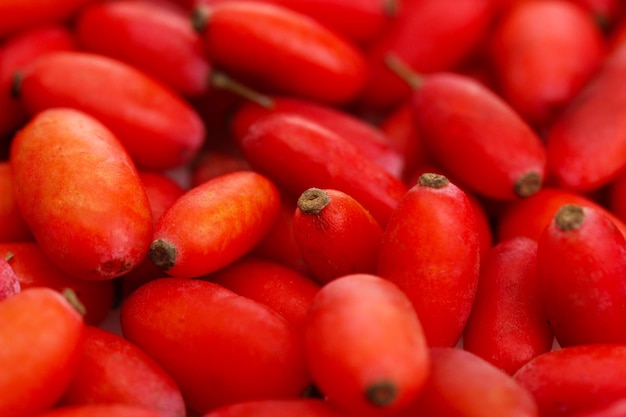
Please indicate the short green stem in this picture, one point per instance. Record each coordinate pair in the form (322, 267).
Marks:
(403, 70)
(219, 79)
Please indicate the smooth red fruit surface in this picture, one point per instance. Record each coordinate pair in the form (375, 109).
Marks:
(528, 217)
(129, 30)
(272, 408)
(40, 332)
(541, 67)
(463, 384)
(298, 154)
(483, 223)
(399, 127)
(361, 21)
(12, 224)
(18, 51)
(101, 410)
(586, 144)
(617, 38)
(213, 163)
(17, 15)
(482, 210)
(576, 378)
(280, 244)
(615, 408)
(9, 282)
(336, 235)
(365, 346)
(214, 223)
(114, 371)
(260, 40)
(80, 194)
(447, 36)
(285, 290)
(34, 269)
(156, 126)
(219, 347)
(606, 13)
(146, 271)
(581, 259)
(508, 325)
(477, 137)
(430, 249)
(616, 197)
(366, 137)
(162, 191)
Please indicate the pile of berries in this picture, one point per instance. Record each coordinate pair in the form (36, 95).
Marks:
(312, 208)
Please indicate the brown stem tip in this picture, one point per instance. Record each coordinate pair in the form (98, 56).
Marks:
(528, 184)
(433, 180)
(569, 217)
(162, 254)
(313, 200)
(114, 267)
(391, 8)
(200, 18)
(381, 393)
